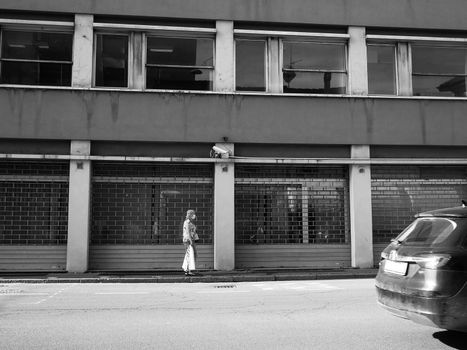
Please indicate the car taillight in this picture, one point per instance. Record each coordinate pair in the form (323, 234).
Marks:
(432, 261)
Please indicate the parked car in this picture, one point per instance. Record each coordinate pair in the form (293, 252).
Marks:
(423, 272)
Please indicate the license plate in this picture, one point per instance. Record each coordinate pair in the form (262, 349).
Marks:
(396, 267)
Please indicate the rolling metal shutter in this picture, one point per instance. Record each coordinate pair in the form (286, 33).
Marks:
(291, 216)
(34, 214)
(138, 211)
(400, 192)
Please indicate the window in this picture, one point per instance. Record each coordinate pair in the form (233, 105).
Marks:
(250, 65)
(317, 68)
(36, 58)
(112, 60)
(439, 71)
(179, 63)
(434, 232)
(417, 66)
(381, 69)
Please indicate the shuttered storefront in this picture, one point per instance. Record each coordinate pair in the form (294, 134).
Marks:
(291, 216)
(400, 192)
(33, 215)
(138, 211)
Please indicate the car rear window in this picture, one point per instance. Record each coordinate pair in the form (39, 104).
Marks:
(435, 232)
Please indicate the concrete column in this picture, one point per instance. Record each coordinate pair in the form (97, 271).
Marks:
(224, 212)
(136, 78)
(358, 65)
(79, 209)
(275, 66)
(361, 228)
(82, 51)
(224, 73)
(404, 70)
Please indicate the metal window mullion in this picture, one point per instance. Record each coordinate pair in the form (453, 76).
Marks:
(20, 22)
(266, 64)
(281, 64)
(177, 66)
(154, 28)
(144, 49)
(271, 33)
(130, 57)
(438, 74)
(414, 38)
(396, 69)
(94, 59)
(306, 70)
(410, 67)
(346, 69)
(1, 53)
(35, 61)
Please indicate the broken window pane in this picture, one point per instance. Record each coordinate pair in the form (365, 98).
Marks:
(112, 60)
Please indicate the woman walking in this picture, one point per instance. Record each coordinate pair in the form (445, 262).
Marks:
(189, 240)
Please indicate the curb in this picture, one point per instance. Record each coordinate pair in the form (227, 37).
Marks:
(195, 279)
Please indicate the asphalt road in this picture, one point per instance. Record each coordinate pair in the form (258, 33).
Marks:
(326, 314)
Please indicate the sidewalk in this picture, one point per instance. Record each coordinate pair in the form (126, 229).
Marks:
(171, 276)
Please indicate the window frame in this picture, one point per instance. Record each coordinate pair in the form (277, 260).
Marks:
(129, 35)
(319, 42)
(176, 35)
(437, 45)
(406, 68)
(37, 27)
(274, 60)
(395, 46)
(265, 60)
(136, 78)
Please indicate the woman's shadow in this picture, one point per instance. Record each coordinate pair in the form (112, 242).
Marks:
(456, 340)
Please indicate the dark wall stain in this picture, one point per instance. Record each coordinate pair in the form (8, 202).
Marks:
(114, 105)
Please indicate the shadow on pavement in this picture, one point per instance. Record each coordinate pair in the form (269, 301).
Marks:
(456, 340)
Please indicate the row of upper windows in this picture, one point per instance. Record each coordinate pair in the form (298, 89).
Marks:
(188, 63)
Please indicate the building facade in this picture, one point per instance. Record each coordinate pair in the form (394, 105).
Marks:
(303, 133)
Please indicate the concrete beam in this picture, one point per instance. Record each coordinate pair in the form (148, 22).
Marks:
(423, 14)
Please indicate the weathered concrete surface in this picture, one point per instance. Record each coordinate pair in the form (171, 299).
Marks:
(429, 14)
(186, 117)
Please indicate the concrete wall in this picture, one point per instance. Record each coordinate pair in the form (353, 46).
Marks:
(178, 117)
(435, 14)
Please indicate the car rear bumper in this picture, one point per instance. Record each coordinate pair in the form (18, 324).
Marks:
(442, 312)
